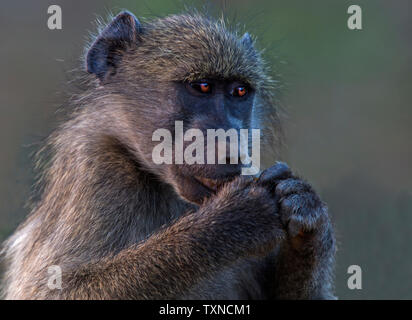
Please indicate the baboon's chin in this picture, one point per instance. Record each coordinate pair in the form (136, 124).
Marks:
(196, 189)
(191, 190)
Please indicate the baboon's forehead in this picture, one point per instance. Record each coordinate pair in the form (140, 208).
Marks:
(195, 47)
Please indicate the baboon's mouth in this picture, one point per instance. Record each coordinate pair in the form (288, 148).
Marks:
(213, 184)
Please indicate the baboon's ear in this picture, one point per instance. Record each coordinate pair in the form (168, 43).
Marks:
(106, 51)
(247, 40)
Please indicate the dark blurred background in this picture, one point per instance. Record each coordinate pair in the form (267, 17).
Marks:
(347, 95)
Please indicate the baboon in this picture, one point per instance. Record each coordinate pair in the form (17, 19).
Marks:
(121, 227)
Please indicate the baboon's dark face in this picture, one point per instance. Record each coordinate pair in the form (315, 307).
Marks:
(210, 104)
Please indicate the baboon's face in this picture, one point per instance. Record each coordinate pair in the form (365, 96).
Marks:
(187, 69)
(203, 105)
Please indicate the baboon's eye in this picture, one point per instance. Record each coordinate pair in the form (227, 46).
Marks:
(239, 91)
(203, 87)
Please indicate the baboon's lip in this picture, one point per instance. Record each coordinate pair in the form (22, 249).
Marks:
(213, 184)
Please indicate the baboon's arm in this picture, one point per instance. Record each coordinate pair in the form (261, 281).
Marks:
(174, 259)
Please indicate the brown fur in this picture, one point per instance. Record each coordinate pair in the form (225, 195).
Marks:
(116, 226)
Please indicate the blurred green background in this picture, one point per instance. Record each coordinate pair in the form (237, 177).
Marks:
(347, 95)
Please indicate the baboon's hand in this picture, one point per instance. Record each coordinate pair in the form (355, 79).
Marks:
(301, 211)
(246, 215)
